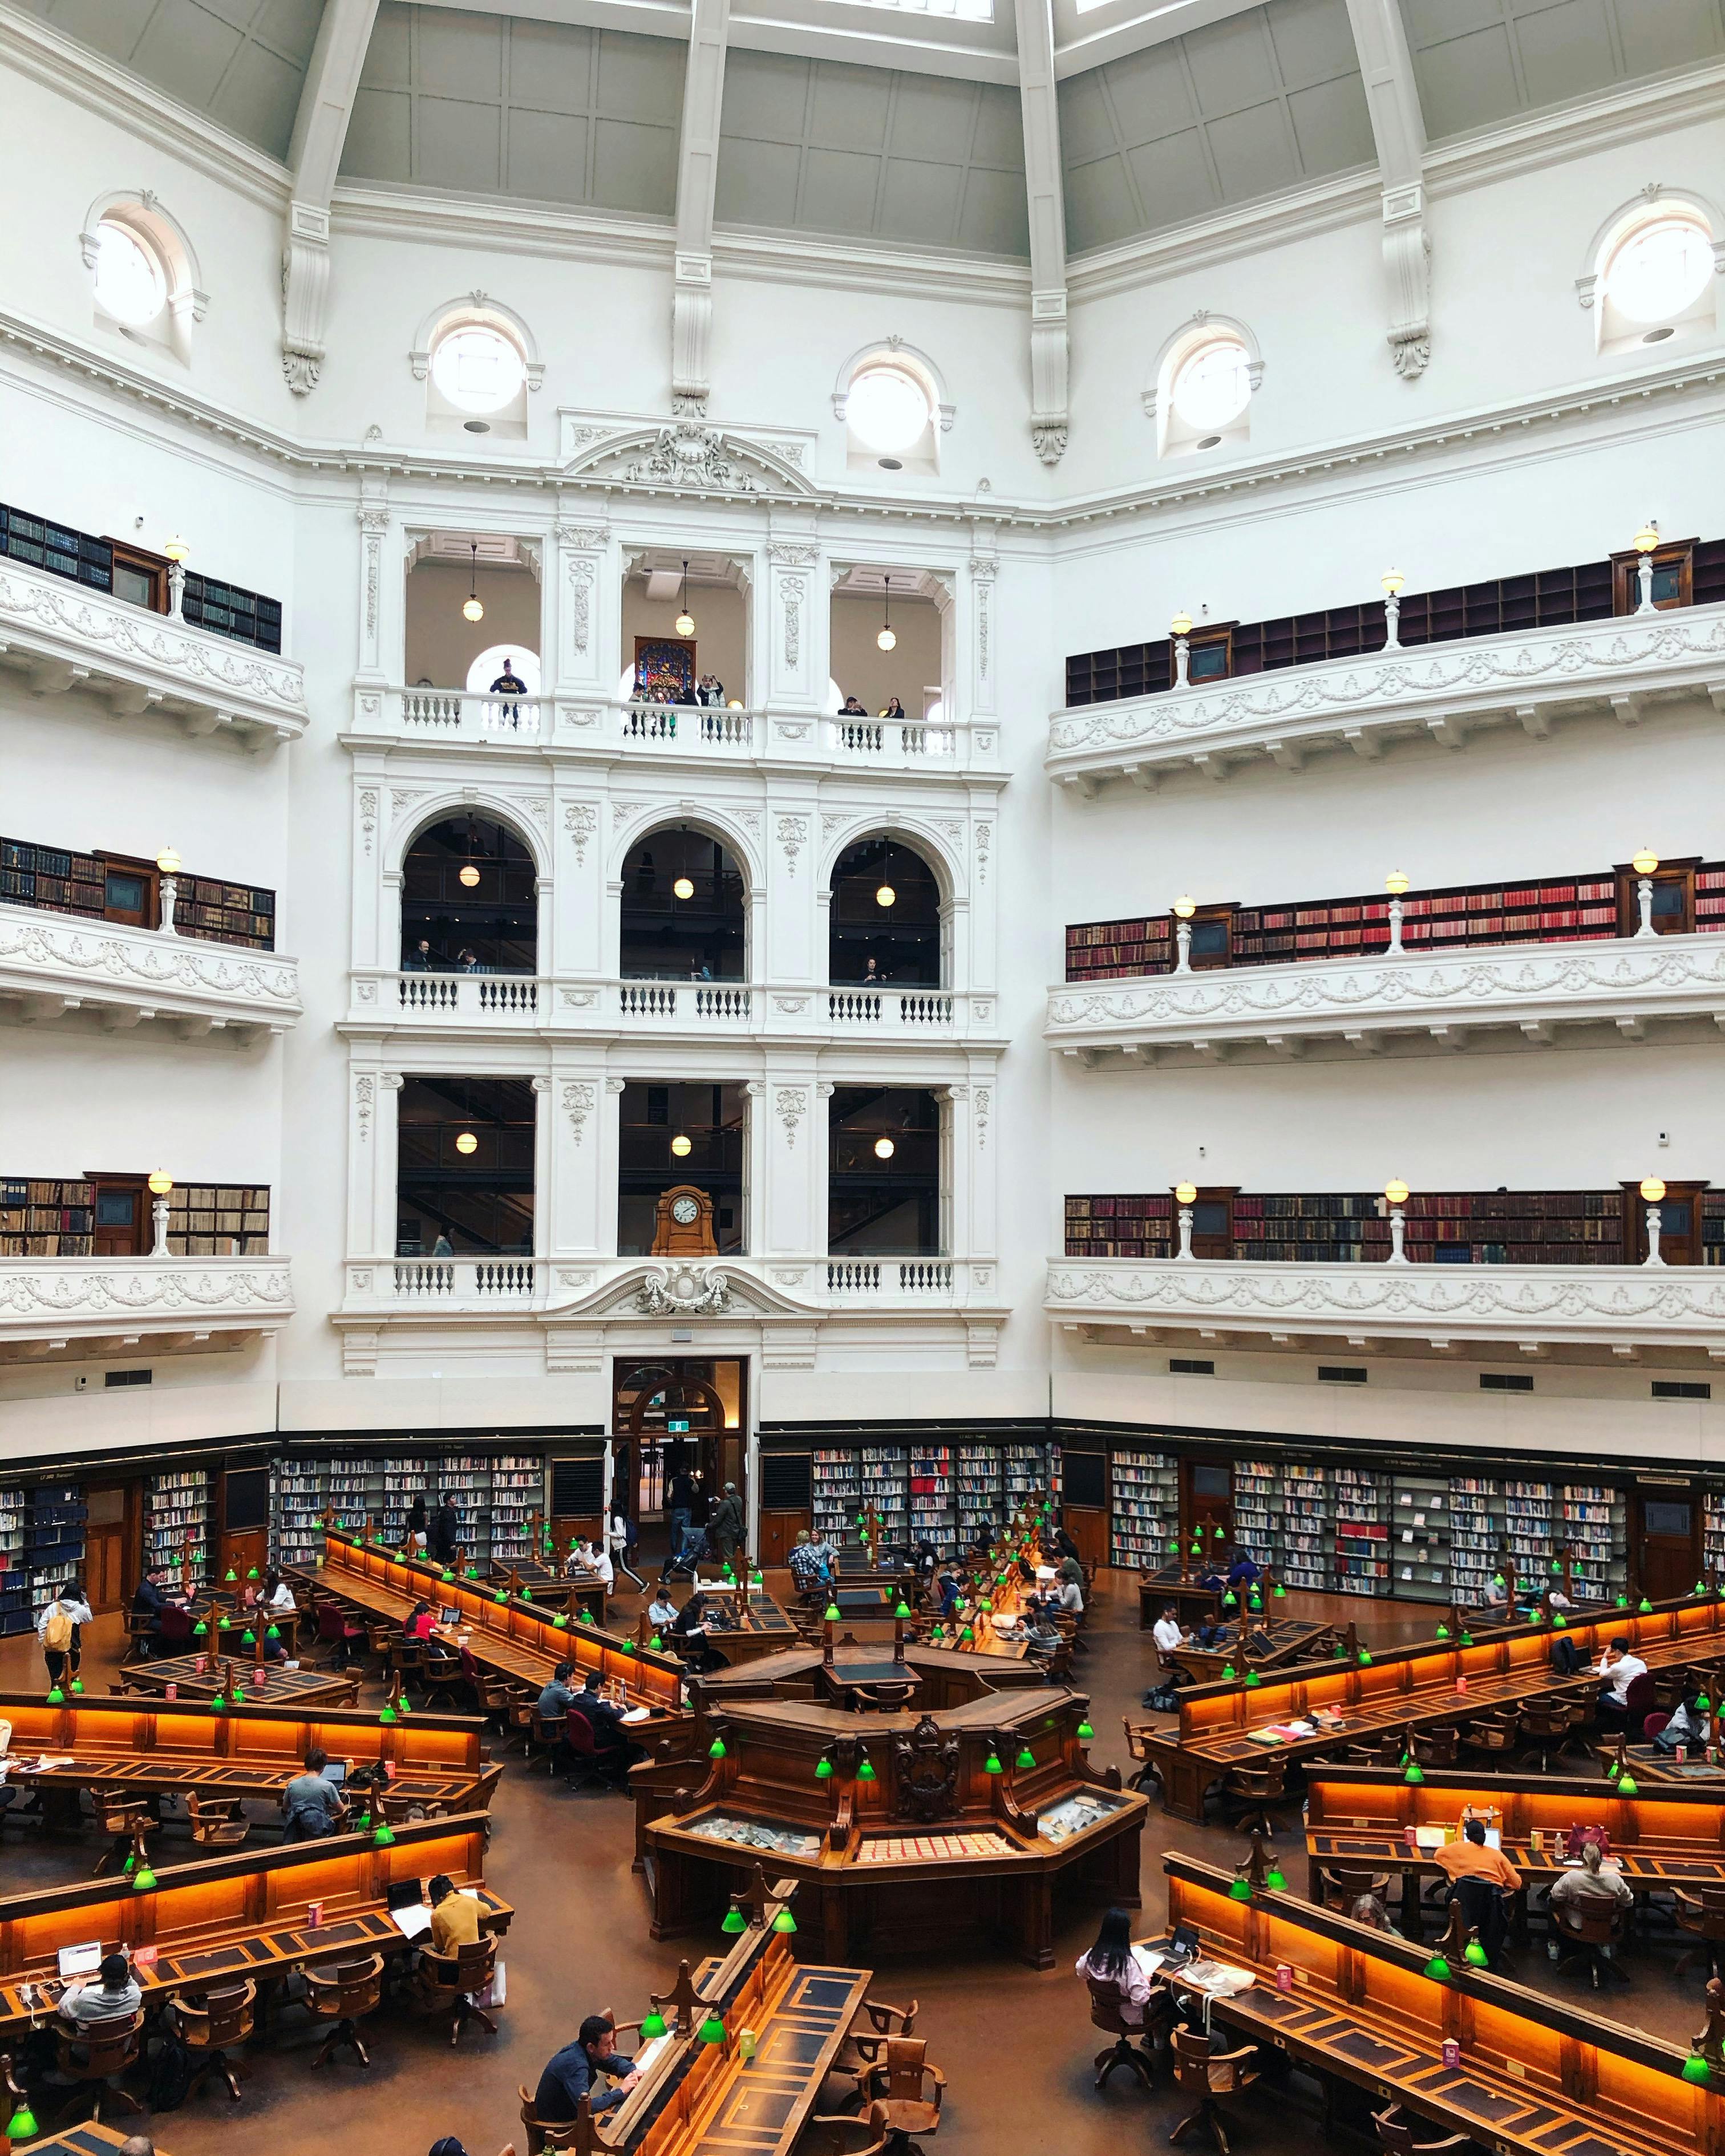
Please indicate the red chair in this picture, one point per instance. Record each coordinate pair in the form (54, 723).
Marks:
(1638, 1698)
(173, 1631)
(596, 1766)
(1652, 1725)
(335, 1628)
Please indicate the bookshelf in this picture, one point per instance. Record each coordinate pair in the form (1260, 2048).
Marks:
(179, 1507)
(55, 879)
(53, 1533)
(1257, 1509)
(1546, 599)
(1712, 1227)
(1120, 950)
(1362, 1509)
(16, 1614)
(979, 1488)
(1595, 1525)
(517, 1492)
(1144, 1509)
(1478, 1524)
(229, 610)
(1308, 1229)
(298, 1492)
(496, 1498)
(406, 1476)
(1531, 1529)
(837, 1493)
(1141, 1226)
(886, 1489)
(1713, 1523)
(1419, 1537)
(45, 1217)
(1307, 1523)
(933, 1491)
(219, 1220)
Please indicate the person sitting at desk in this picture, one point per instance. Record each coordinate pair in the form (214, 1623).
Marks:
(313, 1803)
(1619, 1668)
(1062, 1544)
(595, 1558)
(661, 1611)
(1690, 1723)
(1166, 1631)
(1244, 1572)
(1497, 1593)
(1589, 1886)
(277, 1596)
(1041, 1634)
(454, 1917)
(554, 1701)
(150, 1602)
(1368, 1909)
(945, 1590)
(1112, 1960)
(1069, 1597)
(112, 1997)
(690, 1633)
(1070, 1567)
(1471, 1858)
(809, 1574)
(574, 2072)
(605, 1721)
(421, 1624)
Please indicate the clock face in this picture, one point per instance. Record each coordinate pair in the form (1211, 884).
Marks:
(683, 1211)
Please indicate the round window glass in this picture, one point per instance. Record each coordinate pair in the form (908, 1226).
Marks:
(1211, 388)
(1661, 270)
(887, 410)
(128, 283)
(477, 369)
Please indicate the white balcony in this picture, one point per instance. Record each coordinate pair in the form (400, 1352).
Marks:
(46, 1304)
(54, 964)
(1625, 666)
(648, 736)
(1601, 1309)
(1438, 1000)
(492, 1005)
(711, 1287)
(63, 636)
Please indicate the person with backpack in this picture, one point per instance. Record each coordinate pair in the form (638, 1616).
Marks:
(57, 1629)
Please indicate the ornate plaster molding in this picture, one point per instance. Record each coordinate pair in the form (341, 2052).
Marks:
(114, 967)
(93, 1295)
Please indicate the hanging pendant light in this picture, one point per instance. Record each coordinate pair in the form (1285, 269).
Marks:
(470, 875)
(887, 639)
(886, 894)
(685, 620)
(472, 607)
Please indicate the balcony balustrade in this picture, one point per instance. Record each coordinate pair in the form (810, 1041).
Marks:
(51, 965)
(46, 1304)
(409, 1286)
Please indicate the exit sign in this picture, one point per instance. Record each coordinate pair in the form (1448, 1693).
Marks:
(677, 1425)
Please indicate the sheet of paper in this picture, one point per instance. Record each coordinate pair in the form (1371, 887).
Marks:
(1149, 1958)
(413, 1922)
(637, 1714)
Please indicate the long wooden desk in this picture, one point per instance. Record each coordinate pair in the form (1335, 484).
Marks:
(306, 1687)
(1269, 1644)
(440, 1759)
(1195, 1603)
(1404, 1686)
(243, 1915)
(927, 1850)
(1358, 1818)
(515, 1640)
(550, 1587)
(699, 2099)
(1537, 2075)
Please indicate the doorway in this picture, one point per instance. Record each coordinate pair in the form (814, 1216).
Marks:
(1207, 1508)
(121, 1221)
(1667, 1535)
(109, 1572)
(1679, 1223)
(675, 1416)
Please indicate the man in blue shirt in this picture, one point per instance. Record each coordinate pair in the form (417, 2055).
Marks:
(574, 2072)
(554, 1700)
(313, 1803)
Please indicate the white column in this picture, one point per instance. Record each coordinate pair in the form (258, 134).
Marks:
(544, 1166)
(985, 1185)
(371, 829)
(794, 679)
(785, 919)
(373, 1098)
(956, 1164)
(344, 32)
(755, 1165)
(697, 174)
(1398, 131)
(984, 567)
(582, 602)
(1040, 106)
(793, 1159)
(380, 567)
(584, 926)
(610, 1147)
(576, 1111)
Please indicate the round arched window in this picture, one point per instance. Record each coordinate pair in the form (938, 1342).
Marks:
(1660, 269)
(888, 408)
(476, 368)
(131, 283)
(1212, 383)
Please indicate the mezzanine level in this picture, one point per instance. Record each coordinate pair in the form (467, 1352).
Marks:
(1625, 668)
(648, 736)
(91, 1305)
(55, 966)
(59, 637)
(490, 1005)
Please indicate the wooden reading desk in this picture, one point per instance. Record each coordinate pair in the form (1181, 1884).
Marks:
(550, 1587)
(129, 1743)
(514, 1639)
(909, 1840)
(305, 1687)
(243, 1915)
(701, 2099)
(1270, 1642)
(1227, 1726)
(759, 1626)
(1537, 2076)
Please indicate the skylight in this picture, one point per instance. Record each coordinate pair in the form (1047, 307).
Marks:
(965, 11)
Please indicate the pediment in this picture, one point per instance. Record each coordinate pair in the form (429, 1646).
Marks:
(688, 1290)
(686, 456)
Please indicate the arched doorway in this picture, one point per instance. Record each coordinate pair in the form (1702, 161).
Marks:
(672, 1415)
(684, 909)
(885, 920)
(469, 900)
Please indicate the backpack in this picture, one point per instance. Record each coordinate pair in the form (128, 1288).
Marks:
(171, 2071)
(57, 1633)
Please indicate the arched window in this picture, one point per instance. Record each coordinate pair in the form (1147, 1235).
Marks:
(469, 900)
(1651, 272)
(893, 408)
(883, 1171)
(885, 920)
(478, 360)
(1201, 394)
(142, 272)
(496, 660)
(684, 910)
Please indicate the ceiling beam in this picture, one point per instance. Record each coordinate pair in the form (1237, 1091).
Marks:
(697, 178)
(344, 35)
(1039, 104)
(1398, 131)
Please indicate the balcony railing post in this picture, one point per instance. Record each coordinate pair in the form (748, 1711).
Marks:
(1644, 901)
(1395, 947)
(1398, 1236)
(1185, 1249)
(1653, 1229)
(170, 894)
(158, 1220)
(1183, 939)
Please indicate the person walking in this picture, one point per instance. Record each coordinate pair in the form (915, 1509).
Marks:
(620, 1535)
(681, 1508)
(725, 1528)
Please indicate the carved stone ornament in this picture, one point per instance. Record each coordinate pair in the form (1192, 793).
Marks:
(684, 1292)
(687, 456)
(927, 1777)
(1051, 441)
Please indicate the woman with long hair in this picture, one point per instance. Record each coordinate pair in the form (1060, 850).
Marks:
(1112, 1960)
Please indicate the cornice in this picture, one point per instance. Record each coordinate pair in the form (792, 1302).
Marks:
(850, 265)
(115, 92)
(429, 216)
(1278, 220)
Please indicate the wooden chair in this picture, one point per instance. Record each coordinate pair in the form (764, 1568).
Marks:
(140, 1631)
(1107, 2005)
(1586, 1931)
(217, 1822)
(1490, 1738)
(1212, 2073)
(95, 2057)
(443, 1985)
(1248, 1793)
(1703, 1915)
(844, 2133)
(124, 1815)
(343, 1993)
(1395, 2134)
(443, 1679)
(399, 1810)
(1544, 1730)
(1436, 1748)
(899, 2083)
(1339, 1889)
(523, 1713)
(210, 2022)
(542, 2133)
(862, 2047)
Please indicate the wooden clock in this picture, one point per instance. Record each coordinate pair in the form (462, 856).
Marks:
(683, 1228)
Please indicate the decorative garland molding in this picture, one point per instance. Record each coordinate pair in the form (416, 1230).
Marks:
(129, 974)
(82, 1297)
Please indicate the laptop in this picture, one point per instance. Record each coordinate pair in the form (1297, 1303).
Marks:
(334, 1772)
(450, 1616)
(81, 1960)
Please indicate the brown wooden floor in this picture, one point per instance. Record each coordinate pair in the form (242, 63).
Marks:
(1016, 2045)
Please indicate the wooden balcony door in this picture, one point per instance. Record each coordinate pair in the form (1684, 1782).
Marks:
(1679, 1223)
(121, 1227)
(1207, 1509)
(1665, 1527)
